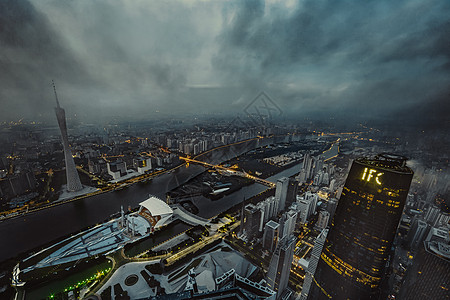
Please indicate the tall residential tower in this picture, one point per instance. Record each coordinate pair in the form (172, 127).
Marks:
(73, 180)
(357, 247)
(280, 265)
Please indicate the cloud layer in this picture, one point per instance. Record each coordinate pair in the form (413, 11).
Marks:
(370, 59)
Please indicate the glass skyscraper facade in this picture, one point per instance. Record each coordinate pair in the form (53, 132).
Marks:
(356, 250)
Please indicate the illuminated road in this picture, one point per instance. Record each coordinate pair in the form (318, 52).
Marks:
(25, 231)
(231, 171)
(119, 185)
(197, 246)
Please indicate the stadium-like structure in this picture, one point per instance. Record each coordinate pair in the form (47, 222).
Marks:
(102, 239)
(156, 212)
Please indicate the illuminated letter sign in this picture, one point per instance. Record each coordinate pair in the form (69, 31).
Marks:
(369, 174)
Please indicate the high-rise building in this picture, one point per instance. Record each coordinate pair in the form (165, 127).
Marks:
(73, 179)
(362, 230)
(429, 277)
(280, 265)
(332, 185)
(270, 238)
(432, 214)
(322, 221)
(281, 192)
(270, 207)
(331, 208)
(318, 164)
(313, 197)
(443, 219)
(301, 177)
(417, 233)
(287, 223)
(315, 256)
(306, 171)
(292, 191)
(252, 220)
(307, 205)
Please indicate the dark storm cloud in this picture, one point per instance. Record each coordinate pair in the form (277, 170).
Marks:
(368, 59)
(106, 57)
(371, 58)
(31, 53)
(316, 31)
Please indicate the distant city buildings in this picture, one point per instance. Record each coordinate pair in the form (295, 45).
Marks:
(116, 151)
(17, 184)
(316, 170)
(142, 164)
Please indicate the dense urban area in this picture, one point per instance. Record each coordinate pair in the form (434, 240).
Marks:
(239, 150)
(198, 207)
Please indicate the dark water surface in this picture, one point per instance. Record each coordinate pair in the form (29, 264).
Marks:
(21, 234)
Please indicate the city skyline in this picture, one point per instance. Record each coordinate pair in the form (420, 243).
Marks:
(291, 175)
(257, 149)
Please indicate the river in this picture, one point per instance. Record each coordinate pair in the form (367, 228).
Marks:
(20, 234)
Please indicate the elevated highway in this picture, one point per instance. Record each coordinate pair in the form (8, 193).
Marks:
(231, 171)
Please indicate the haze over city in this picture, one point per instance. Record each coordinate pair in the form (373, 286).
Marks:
(377, 60)
(191, 149)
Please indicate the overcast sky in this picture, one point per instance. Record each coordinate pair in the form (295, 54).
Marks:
(369, 59)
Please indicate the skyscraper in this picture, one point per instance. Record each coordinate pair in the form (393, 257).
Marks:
(270, 238)
(287, 223)
(252, 221)
(280, 265)
(417, 233)
(363, 228)
(291, 192)
(281, 192)
(307, 205)
(307, 165)
(322, 220)
(270, 207)
(429, 277)
(315, 256)
(73, 180)
(331, 208)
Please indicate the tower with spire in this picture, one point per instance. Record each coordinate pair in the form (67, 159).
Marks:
(73, 180)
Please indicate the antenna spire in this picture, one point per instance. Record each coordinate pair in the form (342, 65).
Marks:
(56, 96)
